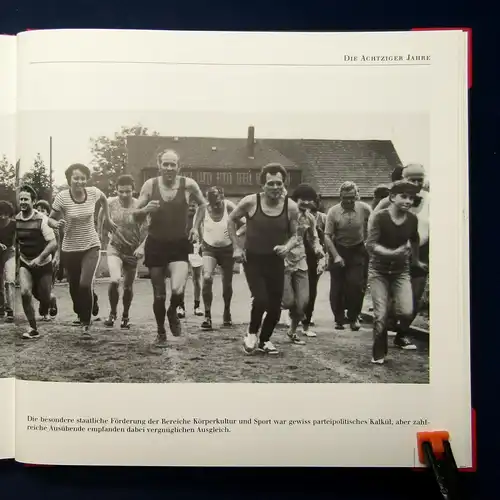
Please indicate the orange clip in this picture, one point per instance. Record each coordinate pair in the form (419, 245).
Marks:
(436, 440)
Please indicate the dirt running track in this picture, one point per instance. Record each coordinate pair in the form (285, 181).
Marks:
(198, 356)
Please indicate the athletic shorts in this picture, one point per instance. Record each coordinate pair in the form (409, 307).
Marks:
(128, 260)
(162, 253)
(195, 259)
(222, 255)
(37, 273)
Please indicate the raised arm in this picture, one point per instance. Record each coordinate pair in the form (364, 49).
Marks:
(103, 201)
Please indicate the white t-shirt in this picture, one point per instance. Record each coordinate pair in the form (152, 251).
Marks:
(79, 232)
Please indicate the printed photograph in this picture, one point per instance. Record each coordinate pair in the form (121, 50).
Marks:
(7, 245)
(265, 250)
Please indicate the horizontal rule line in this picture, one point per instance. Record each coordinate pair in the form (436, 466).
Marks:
(164, 63)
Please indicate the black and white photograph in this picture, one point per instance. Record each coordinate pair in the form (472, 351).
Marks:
(275, 253)
(7, 245)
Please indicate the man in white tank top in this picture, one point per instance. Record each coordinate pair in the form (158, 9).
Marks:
(217, 249)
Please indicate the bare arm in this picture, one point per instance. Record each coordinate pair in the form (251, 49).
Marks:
(48, 250)
(296, 235)
(242, 209)
(54, 218)
(144, 200)
(103, 201)
(196, 194)
(330, 234)
(372, 242)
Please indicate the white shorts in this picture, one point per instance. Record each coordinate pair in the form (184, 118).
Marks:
(195, 259)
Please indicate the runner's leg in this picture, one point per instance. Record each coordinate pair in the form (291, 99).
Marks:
(44, 288)
(129, 273)
(178, 277)
(157, 276)
(274, 276)
(209, 265)
(115, 266)
(90, 261)
(379, 288)
(10, 285)
(197, 277)
(254, 273)
(26, 283)
(226, 263)
(73, 263)
(401, 290)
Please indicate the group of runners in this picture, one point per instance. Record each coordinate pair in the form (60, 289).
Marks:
(283, 242)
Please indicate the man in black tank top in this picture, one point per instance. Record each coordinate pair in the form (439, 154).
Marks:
(271, 232)
(166, 200)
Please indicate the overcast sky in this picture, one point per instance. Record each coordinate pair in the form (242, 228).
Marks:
(71, 131)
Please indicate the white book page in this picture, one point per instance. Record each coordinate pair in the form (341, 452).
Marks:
(7, 190)
(120, 400)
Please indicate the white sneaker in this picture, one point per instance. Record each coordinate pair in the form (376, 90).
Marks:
(380, 361)
(250, 342)
(309, 333)
(268, 348)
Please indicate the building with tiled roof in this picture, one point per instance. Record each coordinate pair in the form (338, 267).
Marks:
(235, 163)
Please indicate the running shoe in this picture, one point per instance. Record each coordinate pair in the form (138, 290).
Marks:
(181, 312)
(250, 342)
(125, 324)
(10, 317)
(207, 324)
(294, 338)
(110, 322)
(268, 348)
(227, 320)
(404, 343)
(53, 307)
(198, 311)
(161, 339)
(175, 324)
(31, 334)
(86, 333)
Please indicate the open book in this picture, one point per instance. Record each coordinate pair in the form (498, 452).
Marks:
(219, 248)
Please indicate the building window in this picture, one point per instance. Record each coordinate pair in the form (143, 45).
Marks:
(244, 178)
(225, 178)
(205, 178)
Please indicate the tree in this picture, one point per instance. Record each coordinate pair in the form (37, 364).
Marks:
(39, 179)
(110, 156)
(7, 180)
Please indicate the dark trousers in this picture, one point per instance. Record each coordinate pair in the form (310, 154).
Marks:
(312, 266)
(81, 268)
(348, 283)
(265, 276)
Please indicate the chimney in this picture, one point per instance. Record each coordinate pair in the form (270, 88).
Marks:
(251, 142)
